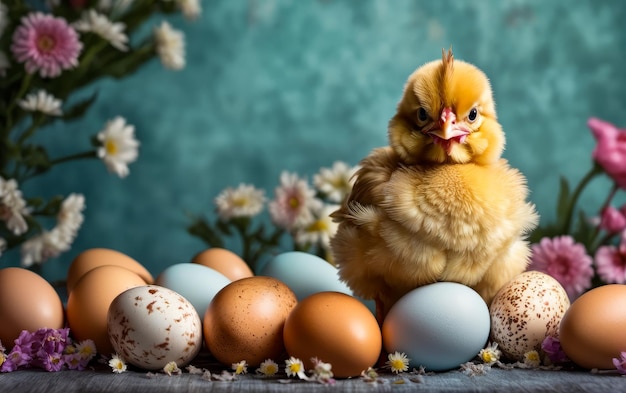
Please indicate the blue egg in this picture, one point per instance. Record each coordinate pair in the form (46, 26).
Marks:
(439, 326)
(196, 283)
(305, 274)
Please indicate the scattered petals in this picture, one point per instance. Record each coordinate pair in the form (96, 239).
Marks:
(171, 368)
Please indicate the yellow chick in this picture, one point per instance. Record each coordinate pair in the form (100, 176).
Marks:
(439, 203)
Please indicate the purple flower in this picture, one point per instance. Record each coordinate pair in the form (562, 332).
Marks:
(565, 260)
(14, 360)
(552, 348)
(46, 44)
(620, 363)
(611, 262)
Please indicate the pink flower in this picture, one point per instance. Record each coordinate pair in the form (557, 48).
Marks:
(611, 262)
(612, 220)
(610, 152)
(552, 348)
(46, 44)
(566, 261)
(620, 363)
(295, 200)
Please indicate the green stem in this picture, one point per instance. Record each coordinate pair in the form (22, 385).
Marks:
(72, 157)
(37, 120)
(595, 170)
(23, 89)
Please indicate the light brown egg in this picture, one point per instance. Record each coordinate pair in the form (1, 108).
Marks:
(245, 320)
(224, 261)
(94, 257)
(337, 329)
(593, 330)
(88, 303)
(27, 302)
(526, 310)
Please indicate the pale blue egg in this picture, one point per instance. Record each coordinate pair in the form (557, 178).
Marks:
(305, 274)
(196, 283)
(439, 326)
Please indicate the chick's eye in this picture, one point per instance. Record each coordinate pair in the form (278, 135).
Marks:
(422, 116)
(473, 115)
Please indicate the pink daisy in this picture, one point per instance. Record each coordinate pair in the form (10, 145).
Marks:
(294, 202)
(46, 44)
(611, 262)
(565, 260)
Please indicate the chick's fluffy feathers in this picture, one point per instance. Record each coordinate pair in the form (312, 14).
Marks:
(417, 215)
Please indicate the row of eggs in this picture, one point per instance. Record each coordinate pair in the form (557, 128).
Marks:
(297, 306)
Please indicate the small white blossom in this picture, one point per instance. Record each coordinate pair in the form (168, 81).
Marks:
(295, 368)
(490, 354)
(117, 364)
(191, 9)
(268, 368)
(398, 362)
(243, 201)
(532, 359)
(320, 230)
(41, 102)
(171, 368)
(13, 207)
(119, 146)
(293, 203)
(240, 367)
(170, 46)
(94, 22)
(322, 372)
(336, 182)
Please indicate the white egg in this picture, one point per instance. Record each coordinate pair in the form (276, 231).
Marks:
(150, 326)
(526, 310)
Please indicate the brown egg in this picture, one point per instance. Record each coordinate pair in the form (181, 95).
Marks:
(224, 261)
(592, 330)
(245, 320)
(337, 329)
(94, 257)
(88, 304)
(27, 302)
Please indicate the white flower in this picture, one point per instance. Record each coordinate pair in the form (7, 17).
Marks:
(398, 362)
(117, 364)
(336, 182)
(240, 368)
(294, 202)
(13, 207)
(4, 64)
(191, 9)
(94, 22)
(119, 146)
(295, 368)
(170, 46)
(532, 359)
(320, 230)
(268, 368)
(243, 201)
(41, 102)
(490, 354)
(322, 372)
(171, 368)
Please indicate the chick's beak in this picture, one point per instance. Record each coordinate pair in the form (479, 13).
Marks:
(449, 132)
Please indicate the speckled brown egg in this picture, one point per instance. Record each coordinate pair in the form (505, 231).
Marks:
(245, 320)
(526, 310)
(150, 326)
(592, 331)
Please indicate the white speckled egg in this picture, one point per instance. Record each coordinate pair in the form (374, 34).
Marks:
(526, 310)
(150, 326)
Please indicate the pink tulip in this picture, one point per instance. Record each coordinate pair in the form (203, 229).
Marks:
(612, 220)
(610, 152)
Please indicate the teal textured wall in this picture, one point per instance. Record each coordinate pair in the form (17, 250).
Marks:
(278, 84)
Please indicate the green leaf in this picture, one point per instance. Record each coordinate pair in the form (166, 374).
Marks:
(79, 109)
(200, 228)
(563, 201)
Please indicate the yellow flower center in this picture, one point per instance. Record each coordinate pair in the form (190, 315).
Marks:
(240, 202)
(318, 226)
(295, 368)
(119, 365)
(271, 369)
(45, 43)
(294, 202)
(110, 147)
(397, 364)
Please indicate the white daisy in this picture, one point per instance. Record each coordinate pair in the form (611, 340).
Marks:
(295, 368)
(170, 46)
(243, 201)
(191, 9)
(240, 367)
(268, 367)
(320, 230)
(70, 218)
(4, 64)
(118, 146)
(13, 207)
(294, 202)
(41, 102)
(117, 364)
(336, 182)
(92, 21)
(398, 362)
